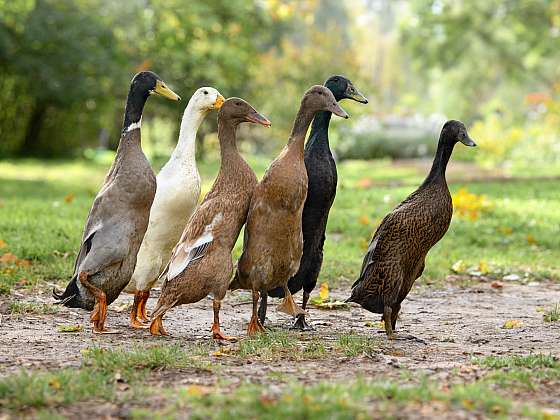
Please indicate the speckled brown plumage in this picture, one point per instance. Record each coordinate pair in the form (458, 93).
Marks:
(273, 242)
(201, 261)
(395, 257)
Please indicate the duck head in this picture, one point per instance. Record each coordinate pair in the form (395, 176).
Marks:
(454, 131)
(319, 98)
(238, 111)
(206, 99)
(342, 88)
(143, 85)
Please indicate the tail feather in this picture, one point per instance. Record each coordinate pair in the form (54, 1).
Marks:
(70, 297)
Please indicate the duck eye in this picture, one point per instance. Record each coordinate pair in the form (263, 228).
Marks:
(206, 92)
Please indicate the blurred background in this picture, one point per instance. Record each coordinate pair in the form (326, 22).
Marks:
(65, 68)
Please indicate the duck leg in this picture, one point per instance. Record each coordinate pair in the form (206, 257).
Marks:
(288, 305)
(301, 324)
(137, 317)
(255, 325)
(156, 327)
(263, 307)
(142, 312)
(395, 315)
(99, 314)
(387, 320)
(216, 332)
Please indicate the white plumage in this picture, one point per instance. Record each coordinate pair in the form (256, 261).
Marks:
(178, 190)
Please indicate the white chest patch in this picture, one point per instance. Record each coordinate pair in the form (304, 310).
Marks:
(134, 126)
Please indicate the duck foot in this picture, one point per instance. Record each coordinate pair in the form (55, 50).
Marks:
(255, 327)
(156, 328)
(105, 331)
(301, 324)
(288, 306)
(217, 334)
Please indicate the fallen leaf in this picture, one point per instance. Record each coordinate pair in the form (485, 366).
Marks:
(54, 383)
(497, 285)
(459, 267)
(8, 257)
(2, 244)
(512, 323)
(364, 220)
(365, 183)
(324, 291)
(333, 304)
(23, 263)
(69, 198)
(531, 239)
(483, 267)
(70, 328)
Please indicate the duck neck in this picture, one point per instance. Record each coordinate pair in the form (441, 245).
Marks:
(299, 130)
(319, 136)
(186, 146)
(134, 106)
(228, 146)
(439, 165)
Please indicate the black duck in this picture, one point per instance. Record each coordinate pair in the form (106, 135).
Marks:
(395, 257)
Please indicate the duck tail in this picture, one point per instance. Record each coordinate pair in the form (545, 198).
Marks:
(70, 297)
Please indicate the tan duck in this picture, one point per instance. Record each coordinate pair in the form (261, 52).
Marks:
(273, 242)
(201, 262)
(118, 218)
(396, 255)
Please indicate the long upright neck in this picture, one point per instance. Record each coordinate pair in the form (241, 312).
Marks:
(301, 124)
(134, 106)
(439, 165)
(186, 146)
(228, 147)
(320, 130)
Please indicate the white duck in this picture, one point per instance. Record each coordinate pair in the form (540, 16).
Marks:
(178, 190)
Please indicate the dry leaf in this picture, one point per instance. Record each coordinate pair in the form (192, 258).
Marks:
(497, 285)
(531, 239)
(2, 244)
(8, 257)
(69, 198)
(54, 383)
(333, 304)
(459, 267)
(365, 183)
(483, 267)
(70, 328)
(512, 323)
(364, 220)
(324, 291)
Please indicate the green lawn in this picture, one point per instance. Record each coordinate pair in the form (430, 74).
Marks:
(43, 206)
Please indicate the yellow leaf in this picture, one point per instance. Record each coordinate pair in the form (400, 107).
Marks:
(195, 391)
(54, 383)
(512, 323)
(324, 291)
(69, 198)
(531, 239)
(459, 267)
(70, 328)
(483, 267)
(2, 244)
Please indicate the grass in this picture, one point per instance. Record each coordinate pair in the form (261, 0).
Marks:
(43, 206)
(552, 315)
(21, 308)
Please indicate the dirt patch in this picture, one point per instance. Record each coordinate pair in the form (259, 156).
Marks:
(439, 329)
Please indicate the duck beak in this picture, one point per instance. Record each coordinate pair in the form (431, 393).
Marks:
(336, 109)
(163, 90)
(257, 118)
(219, 102)
(355, 95)
(467, 141)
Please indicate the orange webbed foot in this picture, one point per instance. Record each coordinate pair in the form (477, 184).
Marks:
(217, 334)
(156, 328)
(255, 326)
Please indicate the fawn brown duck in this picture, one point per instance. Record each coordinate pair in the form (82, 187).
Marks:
(273, 242)
(395, 257)
(201, 261)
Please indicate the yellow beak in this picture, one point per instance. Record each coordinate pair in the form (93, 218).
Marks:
(219, 102)
(163, 90)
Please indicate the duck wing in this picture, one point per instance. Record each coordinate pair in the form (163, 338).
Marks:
(192, 246)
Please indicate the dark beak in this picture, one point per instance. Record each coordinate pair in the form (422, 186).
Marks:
(355, 95)
(257, 118)
(467, 141)
(336, 109)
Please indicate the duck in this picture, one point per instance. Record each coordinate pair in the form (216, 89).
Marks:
(118, 218)
(396, 255)
(201, 262)
(177, 194)
(273, 241)
(321, 191)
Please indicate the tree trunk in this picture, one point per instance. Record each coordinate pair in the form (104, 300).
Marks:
(29, 145)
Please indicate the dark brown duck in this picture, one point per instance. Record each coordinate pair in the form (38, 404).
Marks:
(395, 257)
(118, 218)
